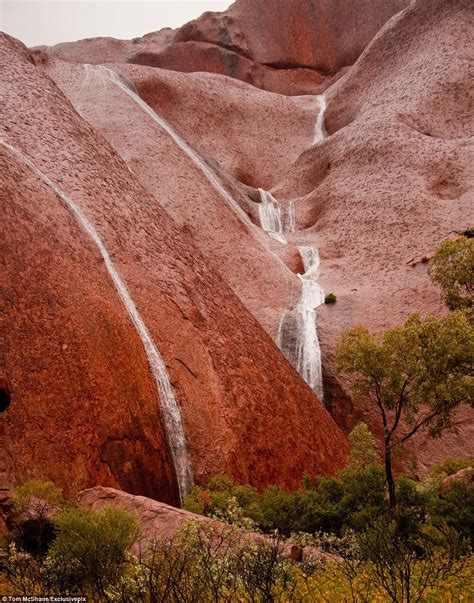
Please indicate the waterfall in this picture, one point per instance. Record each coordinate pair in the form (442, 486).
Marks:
(169, 408)
(129, 89)
(297, 334)
(319, 130)
(275, 218)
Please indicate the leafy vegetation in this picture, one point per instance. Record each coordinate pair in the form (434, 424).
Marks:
(90, 554)
(452, 268)
(415, 375)
(330, 298)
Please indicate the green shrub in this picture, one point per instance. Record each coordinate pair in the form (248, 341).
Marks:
(91, 546)
(363, 453)
(330, 298)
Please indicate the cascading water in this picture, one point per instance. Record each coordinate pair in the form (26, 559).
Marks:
(319, 130)
(297, 334)
(128, 88)
(275, 218)
(169, 408)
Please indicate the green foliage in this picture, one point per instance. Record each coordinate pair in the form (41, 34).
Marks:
(405, 568)
(426, 362)
(91, 546)
(455, 508)
(449, 467)
(416, 375)
(363, 453)
(33, 504)
(330, 298)
(417, 558)
(453, 269)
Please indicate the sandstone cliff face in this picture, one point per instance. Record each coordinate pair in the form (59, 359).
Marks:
(84, 408)
(392, 180)
(287, 47)
(254, 135)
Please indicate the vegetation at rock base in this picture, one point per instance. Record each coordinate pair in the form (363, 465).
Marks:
(330, 298)
(416, 375)
(366, 556)
(452, 268)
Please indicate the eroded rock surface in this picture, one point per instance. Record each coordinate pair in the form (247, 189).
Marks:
(291, 47)
(84, 408)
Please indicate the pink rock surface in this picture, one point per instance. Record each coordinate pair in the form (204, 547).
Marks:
(392, 180)
(287, 47)
(253, 134)
(84, 408)
(157, 520)
(161, 522)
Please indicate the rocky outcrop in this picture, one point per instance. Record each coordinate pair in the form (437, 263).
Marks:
(287, 47)
(159, 522)
(84, 407)
(391, 181)
(464, 476)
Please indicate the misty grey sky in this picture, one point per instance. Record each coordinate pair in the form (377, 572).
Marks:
(37, 22)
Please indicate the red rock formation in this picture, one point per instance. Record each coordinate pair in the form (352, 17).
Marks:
(287, 47)
(392, 181)
(161, 522)
(84, 408)
(157, 520)
(387, 186)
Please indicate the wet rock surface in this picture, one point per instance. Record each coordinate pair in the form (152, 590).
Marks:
(84, 408)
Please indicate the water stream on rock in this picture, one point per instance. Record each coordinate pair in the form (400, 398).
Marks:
(319, 130)
(297, 333)
(275, 218)
(169, 408)
(129, 89)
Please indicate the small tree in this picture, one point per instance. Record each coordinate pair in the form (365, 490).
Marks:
(364, 453)
(453, 269)
(416, 375)
(404, 569)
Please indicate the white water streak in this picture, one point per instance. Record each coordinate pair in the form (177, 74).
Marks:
(319, 130)
(275, 218)
(129, 89)
(169, 407)
(297, 333)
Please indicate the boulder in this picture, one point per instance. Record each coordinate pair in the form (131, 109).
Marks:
(464, 476)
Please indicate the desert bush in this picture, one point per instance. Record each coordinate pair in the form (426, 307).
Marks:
(91, 547)
(34, 503)
(330, 298)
